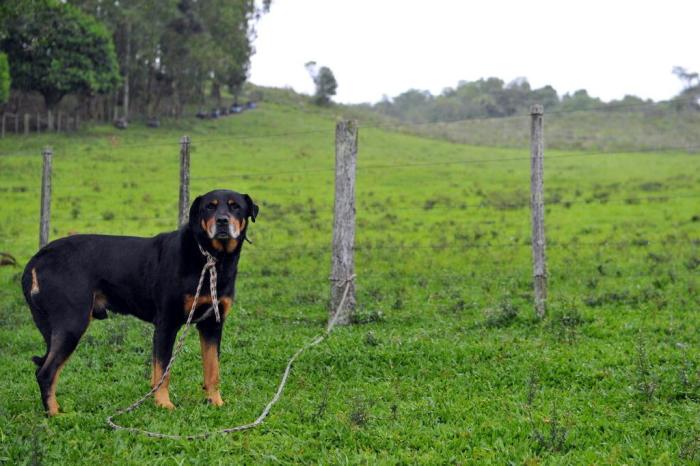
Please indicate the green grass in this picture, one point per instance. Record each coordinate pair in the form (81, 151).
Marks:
(580, 130)
(448, 364)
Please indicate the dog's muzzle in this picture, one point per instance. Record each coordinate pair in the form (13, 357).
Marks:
(224, 229)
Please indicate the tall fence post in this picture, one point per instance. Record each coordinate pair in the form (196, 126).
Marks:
(26, 124)
(343, 261)
(539, 260)
(184, 180)
(44, 222)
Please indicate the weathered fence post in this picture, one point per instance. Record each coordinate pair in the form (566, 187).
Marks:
(539, 260)
(184, 180)
(16, 123)
(47, 154)
(343, 261)
(26, 124)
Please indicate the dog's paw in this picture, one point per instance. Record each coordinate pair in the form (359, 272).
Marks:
(215, 399)
(167, 404)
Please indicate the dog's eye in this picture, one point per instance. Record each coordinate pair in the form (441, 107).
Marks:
(233, 206)
(211, 206)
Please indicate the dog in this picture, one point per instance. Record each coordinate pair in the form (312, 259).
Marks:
(75, 279)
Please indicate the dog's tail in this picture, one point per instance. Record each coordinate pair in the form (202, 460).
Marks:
(29, 288)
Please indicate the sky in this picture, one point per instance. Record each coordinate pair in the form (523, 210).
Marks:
(385, 47)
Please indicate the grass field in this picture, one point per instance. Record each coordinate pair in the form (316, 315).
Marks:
(446, 363)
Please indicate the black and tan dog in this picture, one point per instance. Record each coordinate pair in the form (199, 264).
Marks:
(75, 279)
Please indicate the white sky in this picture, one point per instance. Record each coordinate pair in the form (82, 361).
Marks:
(609, 47)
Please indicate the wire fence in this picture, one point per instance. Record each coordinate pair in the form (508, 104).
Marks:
(66, 187)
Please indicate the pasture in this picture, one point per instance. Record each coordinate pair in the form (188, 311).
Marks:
(446, 363)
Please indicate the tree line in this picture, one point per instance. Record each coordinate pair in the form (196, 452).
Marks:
(132, 53)
(493, 97)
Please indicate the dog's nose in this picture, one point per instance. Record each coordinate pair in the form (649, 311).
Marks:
(222, 221)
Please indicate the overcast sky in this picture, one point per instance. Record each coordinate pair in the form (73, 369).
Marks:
(384, 47)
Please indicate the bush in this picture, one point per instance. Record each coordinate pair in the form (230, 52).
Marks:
(4, 78)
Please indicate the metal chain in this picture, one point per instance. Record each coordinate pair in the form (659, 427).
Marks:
(211, 266)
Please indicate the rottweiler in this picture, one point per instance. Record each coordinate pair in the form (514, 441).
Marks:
(75, 279)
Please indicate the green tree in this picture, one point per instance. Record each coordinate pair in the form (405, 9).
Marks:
(137, 29)
(325, 83)
(689, 97)
(55, 49)
(4, 78)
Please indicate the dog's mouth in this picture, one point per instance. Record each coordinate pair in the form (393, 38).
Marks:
(225, 232)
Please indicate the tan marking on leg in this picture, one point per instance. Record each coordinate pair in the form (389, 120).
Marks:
(161, 396)
(226, 303)
(210, 363)
(51, 399)
(35, 283)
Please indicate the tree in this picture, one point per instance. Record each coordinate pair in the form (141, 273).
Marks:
(690, 79)
(689, 97)
(55, 49)
(4, 78)
(325, 83)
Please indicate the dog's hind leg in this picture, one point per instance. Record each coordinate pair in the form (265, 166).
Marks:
(67, 321)
(61, 346)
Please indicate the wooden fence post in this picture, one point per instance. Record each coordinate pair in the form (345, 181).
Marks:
(26, 124)
(16, 123)
(49, 121)
(539, 260)
(184, 205)
(343, 261)
(45, 220)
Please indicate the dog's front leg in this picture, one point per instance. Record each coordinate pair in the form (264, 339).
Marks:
(210, 342)
(163, 341)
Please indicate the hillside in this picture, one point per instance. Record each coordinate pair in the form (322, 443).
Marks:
(446, 363)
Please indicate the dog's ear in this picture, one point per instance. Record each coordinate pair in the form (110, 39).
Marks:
(194, 212)
(253, 212)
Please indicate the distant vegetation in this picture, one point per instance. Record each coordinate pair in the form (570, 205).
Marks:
(489, 112)
(4, 78)
(325, 83)
(492, 97)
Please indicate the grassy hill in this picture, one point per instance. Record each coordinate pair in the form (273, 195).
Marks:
(446, 363)
(604, 130)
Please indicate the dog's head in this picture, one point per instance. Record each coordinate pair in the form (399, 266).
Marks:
(220, 218)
